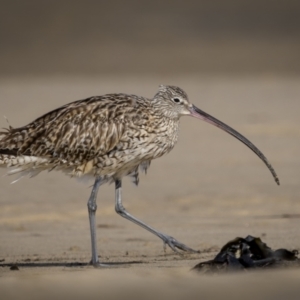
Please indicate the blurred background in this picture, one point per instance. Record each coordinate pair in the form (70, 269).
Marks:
(238, 60)
(95, 37)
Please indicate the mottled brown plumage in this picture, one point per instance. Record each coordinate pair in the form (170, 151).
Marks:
(106, 137)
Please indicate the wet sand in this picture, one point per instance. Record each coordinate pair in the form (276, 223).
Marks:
(208, 190)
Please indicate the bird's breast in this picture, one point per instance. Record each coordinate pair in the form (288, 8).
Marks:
(166, 137)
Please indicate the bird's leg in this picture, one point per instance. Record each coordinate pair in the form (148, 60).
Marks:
(92, 207)
(168, 240)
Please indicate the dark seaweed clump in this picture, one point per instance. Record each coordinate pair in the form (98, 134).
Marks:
(248, 253)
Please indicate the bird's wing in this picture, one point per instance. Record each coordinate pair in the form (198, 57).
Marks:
(77, 131)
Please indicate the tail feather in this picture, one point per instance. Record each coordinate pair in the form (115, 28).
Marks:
(23, 173)
(23, 165)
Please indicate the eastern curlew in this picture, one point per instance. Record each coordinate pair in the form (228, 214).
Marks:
(106, 137)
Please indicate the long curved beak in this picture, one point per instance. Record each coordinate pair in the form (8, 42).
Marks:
(198, 113)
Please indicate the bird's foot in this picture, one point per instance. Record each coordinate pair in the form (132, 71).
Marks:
(101, 265)
(97, 264)
(175, 245)
(110, 265)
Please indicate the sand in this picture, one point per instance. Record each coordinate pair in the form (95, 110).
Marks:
(208, 190)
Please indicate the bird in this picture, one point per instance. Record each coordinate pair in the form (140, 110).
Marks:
(107, 138)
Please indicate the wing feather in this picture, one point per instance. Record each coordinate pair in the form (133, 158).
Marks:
(76, 132)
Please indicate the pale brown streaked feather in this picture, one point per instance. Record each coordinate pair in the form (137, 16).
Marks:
(108, 136)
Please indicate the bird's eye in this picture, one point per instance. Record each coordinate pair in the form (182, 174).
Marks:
(176, 100)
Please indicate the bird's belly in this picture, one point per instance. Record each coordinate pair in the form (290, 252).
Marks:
(131, 151)
(120, 162)
(123, 161)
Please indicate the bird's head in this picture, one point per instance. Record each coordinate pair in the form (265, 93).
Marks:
(174, 103)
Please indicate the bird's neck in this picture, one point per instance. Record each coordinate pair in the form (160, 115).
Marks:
(164, 111)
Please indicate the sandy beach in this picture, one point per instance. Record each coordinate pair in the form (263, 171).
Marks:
(207, 191)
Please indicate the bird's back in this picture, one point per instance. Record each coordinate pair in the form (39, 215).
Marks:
(107, 136)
